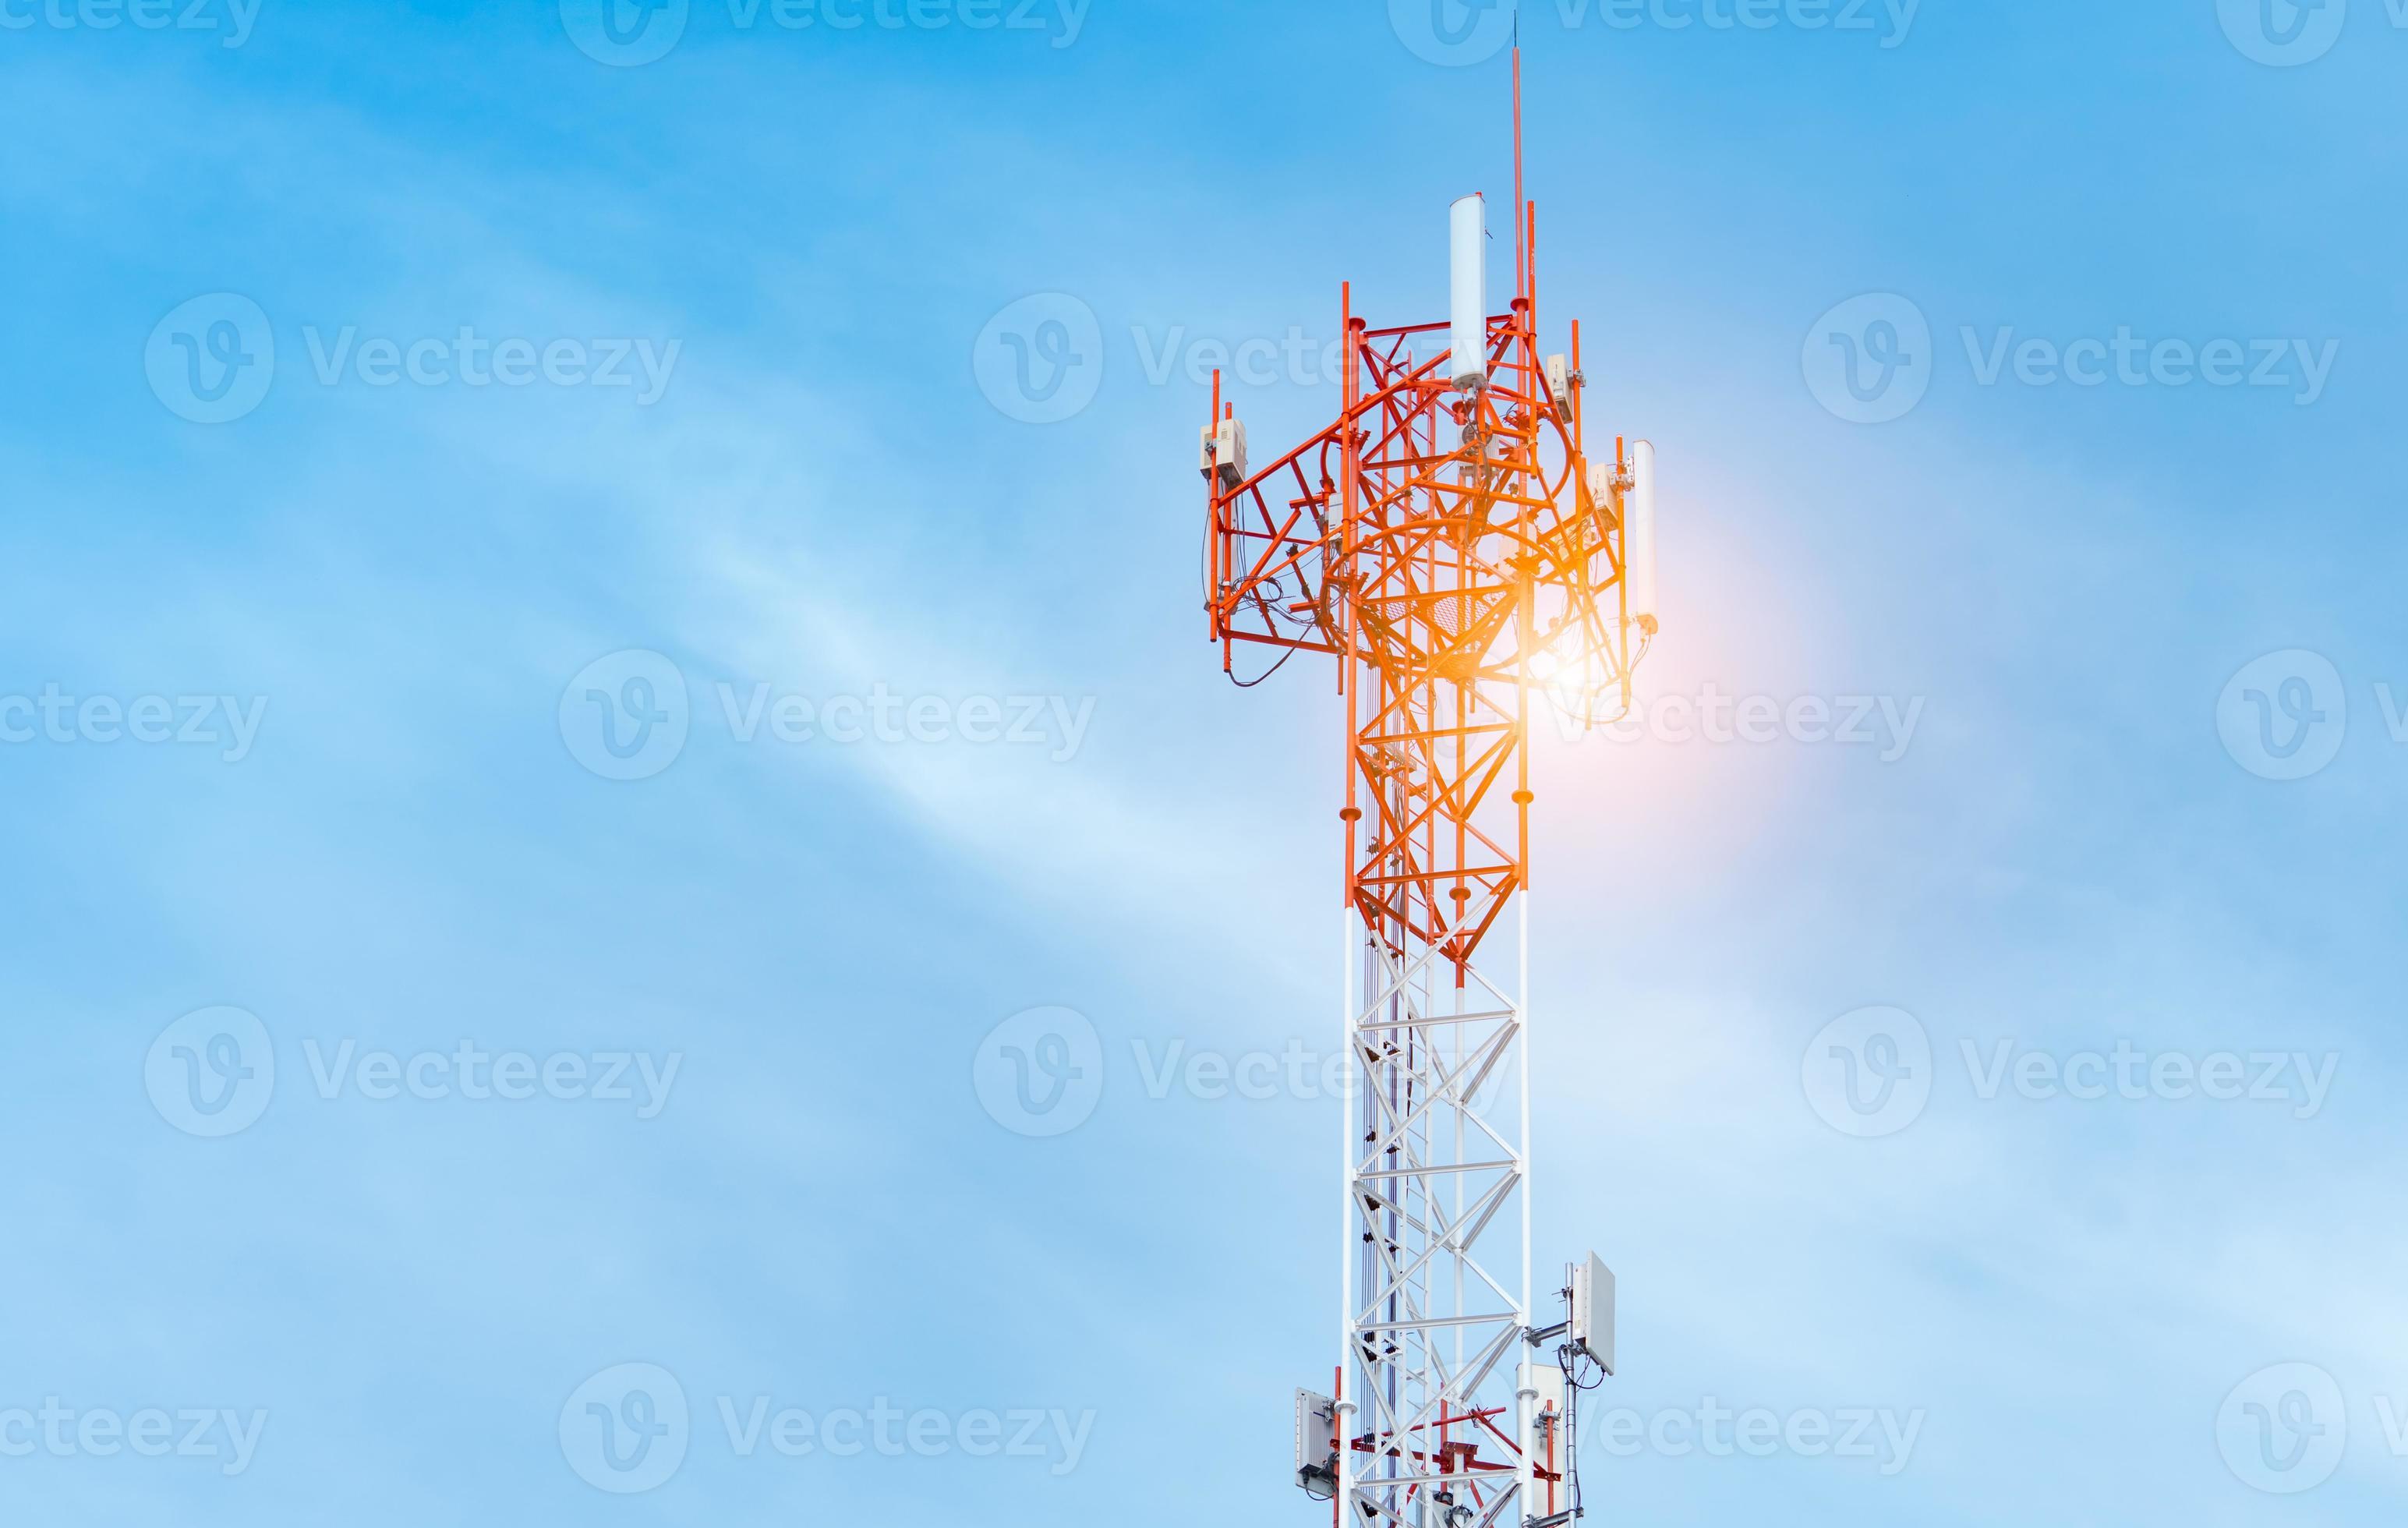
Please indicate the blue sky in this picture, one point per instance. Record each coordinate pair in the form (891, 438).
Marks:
(760, 296)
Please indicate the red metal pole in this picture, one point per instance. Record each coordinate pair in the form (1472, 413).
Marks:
(1520, 255)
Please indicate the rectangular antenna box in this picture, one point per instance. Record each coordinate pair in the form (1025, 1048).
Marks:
(1592, 1314)
(1559, 384)
(1316, 1444)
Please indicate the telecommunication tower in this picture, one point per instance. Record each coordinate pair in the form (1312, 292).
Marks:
(1450, 540)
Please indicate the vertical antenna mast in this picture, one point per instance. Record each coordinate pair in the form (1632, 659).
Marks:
(1449, 543)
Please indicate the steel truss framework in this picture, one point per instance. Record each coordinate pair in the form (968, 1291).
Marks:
(1452, 549)
(1436, 1156)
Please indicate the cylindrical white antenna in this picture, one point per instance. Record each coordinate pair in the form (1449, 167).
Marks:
(1639, 535)
(1468, 270)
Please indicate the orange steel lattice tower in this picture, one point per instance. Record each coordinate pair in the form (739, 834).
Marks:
(1449, 541)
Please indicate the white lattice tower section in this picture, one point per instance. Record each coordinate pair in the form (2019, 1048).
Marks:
(1437, 1287)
